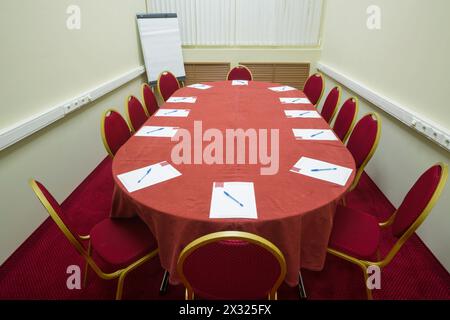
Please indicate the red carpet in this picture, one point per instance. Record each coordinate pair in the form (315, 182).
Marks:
(37, 270)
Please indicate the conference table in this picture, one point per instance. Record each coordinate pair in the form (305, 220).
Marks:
(294, 211)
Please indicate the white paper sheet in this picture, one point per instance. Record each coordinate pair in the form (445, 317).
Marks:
(155, 131)
(172, 113)
(239, 83)
(148, 176)
(282, 89)
(301, 114)
(322, 170)
(295, 101)
(233, 200)
(199, 86)
(182, 100)
(314, 134)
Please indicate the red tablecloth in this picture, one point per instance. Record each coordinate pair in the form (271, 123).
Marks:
(295, 212)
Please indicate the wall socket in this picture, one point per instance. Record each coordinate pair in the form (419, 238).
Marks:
(432, 133)
(76, 103)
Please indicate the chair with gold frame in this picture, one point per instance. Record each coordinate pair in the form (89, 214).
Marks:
(122, 243)
(314, 87)
(231, 265)
(356, 235)
(115, 131)
(167, 84)
(363, 142)
(329, 107)
(136, 114)
(346, 119)
(151, 104)
(240, 72)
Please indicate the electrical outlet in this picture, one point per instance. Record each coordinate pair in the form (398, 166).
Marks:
(85, 100)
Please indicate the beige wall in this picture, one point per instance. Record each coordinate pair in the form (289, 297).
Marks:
(42, 65)
(407, 60)
(397, 61)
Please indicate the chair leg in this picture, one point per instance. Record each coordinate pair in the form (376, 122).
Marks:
(164, 283)
(301, 287)
(120, 283)
(86, 268)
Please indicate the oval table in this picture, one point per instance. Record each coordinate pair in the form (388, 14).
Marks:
(295, 212)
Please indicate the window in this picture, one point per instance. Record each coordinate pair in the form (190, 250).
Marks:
(245, 22)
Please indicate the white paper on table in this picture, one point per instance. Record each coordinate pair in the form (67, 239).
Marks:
(239, 83)
(148, 176)
(282, 89)
(314, 134)
(302, 114)
(295, 101)
(155, 131)
(182, 100)
(233, 200)
(199, 86)
(172, 113)
(334, 173)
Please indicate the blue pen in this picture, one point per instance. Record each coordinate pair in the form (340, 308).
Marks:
(316, 134)
(325, 169)
(302, 114)
(173, 111)
(232, 198)
(159, 129)
(148, 171)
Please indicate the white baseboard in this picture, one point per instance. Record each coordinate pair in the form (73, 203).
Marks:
(418, 122)
(26, 127)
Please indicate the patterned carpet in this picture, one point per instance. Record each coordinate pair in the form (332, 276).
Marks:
(37, 270)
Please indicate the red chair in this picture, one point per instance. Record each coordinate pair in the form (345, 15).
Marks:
(346, 119)
(136, 114)
(151, 104)
(356, 235)
(240, 73)
(124, 244)
(314, 87)
(329, 107)
(167, 84)
(231, 265)
(363, 142)
(115, 131)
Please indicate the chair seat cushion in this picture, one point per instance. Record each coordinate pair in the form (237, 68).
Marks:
(355, 233)
(122, 241)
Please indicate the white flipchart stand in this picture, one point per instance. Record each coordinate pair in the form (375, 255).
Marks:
(161, 45)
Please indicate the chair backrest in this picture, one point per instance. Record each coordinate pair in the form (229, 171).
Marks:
(151, 104)
(314, 87)
(136, 114)
(346, 119)
(240, 73)
(363, 142)
(231, 265)
(420, 199)
(167, 84)
(55, 212)
(115, 131)
(329, 107)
